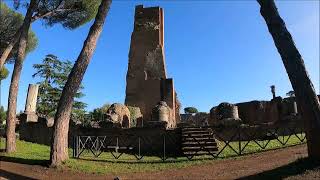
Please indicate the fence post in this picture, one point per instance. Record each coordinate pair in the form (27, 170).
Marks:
(239, 140)
(78, 146)
(73, 147)
(139, 147)
(164, 148)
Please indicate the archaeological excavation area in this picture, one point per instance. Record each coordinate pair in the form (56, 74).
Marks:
(149, 122)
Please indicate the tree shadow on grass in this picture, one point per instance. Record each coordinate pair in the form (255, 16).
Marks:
(297, 167)
(10, 175)
(25, 161)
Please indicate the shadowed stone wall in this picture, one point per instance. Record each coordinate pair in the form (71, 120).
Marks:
(258, 112)
(151, 138)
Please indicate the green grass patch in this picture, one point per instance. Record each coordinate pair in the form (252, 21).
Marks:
(31, 153)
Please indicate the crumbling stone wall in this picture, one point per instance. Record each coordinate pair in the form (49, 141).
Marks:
(118, 115)
(151, 138)
(199, 119)
(258, 112)
(147, 82)
(277, 110)
(36, 132)
(225, 114)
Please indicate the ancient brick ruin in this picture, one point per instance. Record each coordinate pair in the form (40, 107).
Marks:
(147, 81)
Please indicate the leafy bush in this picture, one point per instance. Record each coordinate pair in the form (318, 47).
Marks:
(290, 94)
(4, 72)
(99, 113)
(3, 115)
(135, 114)
(190, 110)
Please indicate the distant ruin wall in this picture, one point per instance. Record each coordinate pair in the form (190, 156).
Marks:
(258, 112)
(36, 132)
(277, 110)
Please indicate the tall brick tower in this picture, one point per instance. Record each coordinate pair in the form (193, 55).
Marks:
(147, 82)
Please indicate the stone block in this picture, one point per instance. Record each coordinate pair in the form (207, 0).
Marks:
(156, 124)
(29, 117)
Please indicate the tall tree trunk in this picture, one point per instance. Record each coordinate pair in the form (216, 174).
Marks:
(6, 52)
(307, 100)
(59, 144)
(13, 91)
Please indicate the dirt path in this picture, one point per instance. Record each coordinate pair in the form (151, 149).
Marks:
(219, 169)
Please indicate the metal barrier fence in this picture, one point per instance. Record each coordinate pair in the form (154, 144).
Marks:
(99, 144)
(259, 136)
(230, 142)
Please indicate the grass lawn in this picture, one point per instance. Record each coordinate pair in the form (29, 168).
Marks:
(32, 153)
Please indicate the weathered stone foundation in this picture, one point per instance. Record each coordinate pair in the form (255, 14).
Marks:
(151, 138)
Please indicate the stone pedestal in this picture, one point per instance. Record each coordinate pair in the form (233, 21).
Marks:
(29, 114)
(162, 113)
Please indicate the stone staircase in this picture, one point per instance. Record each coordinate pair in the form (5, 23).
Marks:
(198, 141)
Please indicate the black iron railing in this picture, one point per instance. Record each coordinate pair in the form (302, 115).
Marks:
(230, 142)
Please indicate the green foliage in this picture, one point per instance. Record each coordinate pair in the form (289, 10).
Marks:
(99, 113)
(53, 75)
(4, 72)
(70, 13)
(190, 110)
(3, 115)
(134, 115)
(10, 22)
(290, 94)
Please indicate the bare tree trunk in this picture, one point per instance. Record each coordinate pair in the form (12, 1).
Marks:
(6, 52)
(59, 144)
(307, 100)
(13, 91)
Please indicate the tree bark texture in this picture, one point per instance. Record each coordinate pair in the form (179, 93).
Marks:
(6, 52)
(14, 85)
(307, 100)
(59, 144)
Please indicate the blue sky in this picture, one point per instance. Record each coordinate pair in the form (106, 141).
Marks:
(216, 51)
